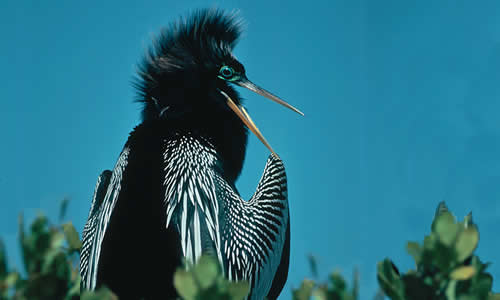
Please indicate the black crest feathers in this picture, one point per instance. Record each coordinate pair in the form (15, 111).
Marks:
(188, 45)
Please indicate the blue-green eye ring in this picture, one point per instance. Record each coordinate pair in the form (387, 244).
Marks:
(226, 72)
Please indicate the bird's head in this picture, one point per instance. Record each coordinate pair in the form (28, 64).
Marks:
(190, 72)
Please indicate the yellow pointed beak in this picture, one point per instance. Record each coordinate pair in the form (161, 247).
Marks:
(245, 117)
(244, 82)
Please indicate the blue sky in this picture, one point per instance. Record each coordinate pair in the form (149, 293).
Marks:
(401, 101)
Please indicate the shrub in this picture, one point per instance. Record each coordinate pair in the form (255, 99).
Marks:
(446, 268)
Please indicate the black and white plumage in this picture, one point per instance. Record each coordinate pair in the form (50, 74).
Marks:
(172, 192)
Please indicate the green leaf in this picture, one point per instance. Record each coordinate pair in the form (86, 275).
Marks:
(446, 228)
(450, 290)
(494, 297)
(466, 243)
(430, 242)
(3, 261)
(463, 273)
(468, 297)
(442, 257)
(206, 271)
(338, 282)
(238, 290)
(57, 240)
(415, 251)
(185, 284)
(442, 208)
(63, 208)
(12, 279)
(320, 293)
(39, 225)
(304, 292)
(101, 294)
(415, 287)
(72, 236)
(24, 244)
(313, 265)
(50, 260)
(468, 220)
(74, 291)
(482, 284)
(389, 280)
(355, 284)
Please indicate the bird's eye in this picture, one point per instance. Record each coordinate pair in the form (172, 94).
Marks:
(226, 72)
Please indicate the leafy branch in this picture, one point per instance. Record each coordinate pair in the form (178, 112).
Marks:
(446, 269)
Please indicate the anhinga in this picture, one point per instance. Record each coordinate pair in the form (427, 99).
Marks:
(172, 195)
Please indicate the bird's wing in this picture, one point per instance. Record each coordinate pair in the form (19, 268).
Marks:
(257, 238)
(89, 230)
(248, 237)
(106, 192)
(281, 274)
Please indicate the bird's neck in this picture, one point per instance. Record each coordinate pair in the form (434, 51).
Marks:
(226, 135)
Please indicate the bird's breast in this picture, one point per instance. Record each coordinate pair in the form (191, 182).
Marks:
(190, 168)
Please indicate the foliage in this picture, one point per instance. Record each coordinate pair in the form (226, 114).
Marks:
(50, 255)
(335, 288)
(206, 281)
(446, 268)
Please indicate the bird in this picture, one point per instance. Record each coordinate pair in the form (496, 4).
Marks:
(171, 196)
